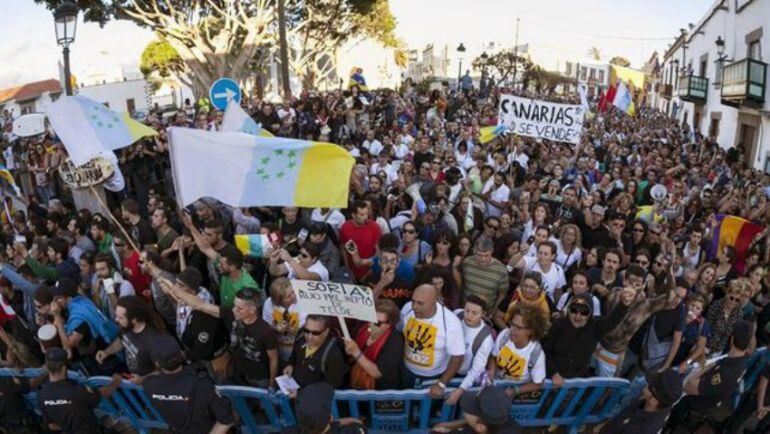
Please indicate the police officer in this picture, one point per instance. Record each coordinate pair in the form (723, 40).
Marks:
(486, 411)
(67, 405)
(708, 392)
(314, 411)
(185, 397)
(648, 414)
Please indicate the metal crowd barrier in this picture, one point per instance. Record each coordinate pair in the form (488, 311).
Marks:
(577, 403)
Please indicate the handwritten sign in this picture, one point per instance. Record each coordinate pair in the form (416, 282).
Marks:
(542, 119)
(94, 172)
(335, 299)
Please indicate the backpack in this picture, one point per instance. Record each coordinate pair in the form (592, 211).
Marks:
(486, 330)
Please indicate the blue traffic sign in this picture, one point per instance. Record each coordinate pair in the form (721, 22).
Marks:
(222, 91)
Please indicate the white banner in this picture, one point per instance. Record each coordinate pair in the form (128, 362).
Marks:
(542, 119)
(335, 299)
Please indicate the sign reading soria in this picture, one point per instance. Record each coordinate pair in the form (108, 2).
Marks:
(335, 299)
(542, 119)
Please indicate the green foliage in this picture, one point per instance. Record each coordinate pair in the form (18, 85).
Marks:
(620, 61)
(593, 53)
(161, 58)
(500, 66)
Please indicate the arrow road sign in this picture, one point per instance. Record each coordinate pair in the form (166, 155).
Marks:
(222, 91)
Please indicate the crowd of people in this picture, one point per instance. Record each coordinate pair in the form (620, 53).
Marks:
(515, 259)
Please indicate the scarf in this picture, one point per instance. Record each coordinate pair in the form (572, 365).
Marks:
(83, 310)
(359, 378)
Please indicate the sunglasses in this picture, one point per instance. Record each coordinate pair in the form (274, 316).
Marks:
(638, 230)
(436, 162)
(655, 233)
(409, 231)
(734, 298)
(492, 226)
(313, 332)
(579, 310)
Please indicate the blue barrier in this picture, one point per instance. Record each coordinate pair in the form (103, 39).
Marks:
(577, 403)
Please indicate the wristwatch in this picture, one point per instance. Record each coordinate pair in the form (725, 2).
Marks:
(441, 385)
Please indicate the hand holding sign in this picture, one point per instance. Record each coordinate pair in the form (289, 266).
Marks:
(335, 299)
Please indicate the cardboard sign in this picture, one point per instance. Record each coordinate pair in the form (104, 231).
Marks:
(95, 172)
(542, 119)
(29, 125)
(335, 299)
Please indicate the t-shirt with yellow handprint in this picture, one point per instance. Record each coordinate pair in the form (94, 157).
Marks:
(420, 342)
(513, 363)
(429, 343)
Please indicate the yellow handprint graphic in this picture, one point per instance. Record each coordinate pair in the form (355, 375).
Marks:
(420, 341)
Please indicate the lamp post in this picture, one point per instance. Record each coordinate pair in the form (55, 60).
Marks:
(66, 23)
(460, 51)
(484, 59)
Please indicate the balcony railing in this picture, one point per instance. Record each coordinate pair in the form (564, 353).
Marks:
(693, 89)
(744, 83)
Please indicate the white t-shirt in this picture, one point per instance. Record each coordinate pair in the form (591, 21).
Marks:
(565, 298)
(499, 194)
(374, 147)
(553, 279)
(317, 268)
(473, 367)
(400, 151)
(691, 257)
(513, 363)
(430, 342)
(336, 219)
(564, 259)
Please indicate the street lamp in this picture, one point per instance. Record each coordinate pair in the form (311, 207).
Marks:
(66, 23)
(721, 50)
(460, 51)
(484, 59)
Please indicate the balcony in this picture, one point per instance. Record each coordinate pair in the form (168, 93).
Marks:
(664, 90)
(744, 83)
(693, 89)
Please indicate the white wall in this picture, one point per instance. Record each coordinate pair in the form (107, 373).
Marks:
(118, 93)
(732, 27)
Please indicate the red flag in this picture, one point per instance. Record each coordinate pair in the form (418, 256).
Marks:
(607, 98)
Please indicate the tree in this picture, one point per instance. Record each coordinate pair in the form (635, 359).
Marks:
(620, 61)
(317, 28)
(593, 53)
(214, 38)
(500, 66)
(160, 63)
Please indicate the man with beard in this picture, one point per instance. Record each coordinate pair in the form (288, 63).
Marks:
(166, 234)
(139, 326)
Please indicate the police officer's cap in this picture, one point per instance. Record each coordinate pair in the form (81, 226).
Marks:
(65, 288)
(666, 386)
(742, 334)
(314, 406)
(56, 355)
(190, 277)
(166, 352)
(491, 405)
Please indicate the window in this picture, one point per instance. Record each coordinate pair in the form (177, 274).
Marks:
(592, 74)
(583, 72)
(702, 69)
(600, 76)
(718, 71)
(130, 105)
(755, 51)
(568, 71)
(714, 128)
(27, 107)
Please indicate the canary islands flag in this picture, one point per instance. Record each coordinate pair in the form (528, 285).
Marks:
(87, 127)
(623, 99)
(6, 176)
(237, 120)
(487, 134)
(244, 170)
(255, 246)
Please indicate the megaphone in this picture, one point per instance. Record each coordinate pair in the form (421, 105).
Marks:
(414, 192)
(658, 193)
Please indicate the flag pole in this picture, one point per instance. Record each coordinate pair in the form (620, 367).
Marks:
(114, 219)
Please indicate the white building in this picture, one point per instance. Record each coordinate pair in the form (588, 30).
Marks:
(121, 96)
(721, 85)
(30, 97)
(595, 75)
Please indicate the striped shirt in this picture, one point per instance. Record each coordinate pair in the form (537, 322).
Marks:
(489, 282)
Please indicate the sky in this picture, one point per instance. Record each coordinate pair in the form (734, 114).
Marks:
(557, 30)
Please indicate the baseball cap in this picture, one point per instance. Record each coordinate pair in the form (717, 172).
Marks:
(191, 278)
(583, 299)
(166, 352)
(491, 405)
(65, 287)
(742, 333)
(666, 386)
(314, 406)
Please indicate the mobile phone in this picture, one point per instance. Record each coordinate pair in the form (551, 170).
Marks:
(20, 239)
(302, 236)
(109, 285)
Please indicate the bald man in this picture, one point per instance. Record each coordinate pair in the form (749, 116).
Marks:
(433, 348)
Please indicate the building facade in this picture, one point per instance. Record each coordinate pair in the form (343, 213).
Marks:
(719, 86)
(30, 97)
